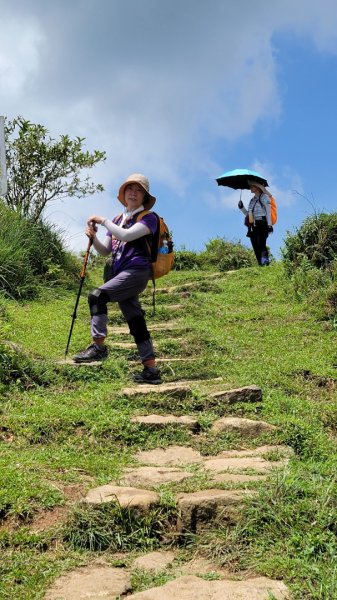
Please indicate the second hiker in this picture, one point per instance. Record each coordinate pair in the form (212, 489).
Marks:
(128, 241)
(258, 221)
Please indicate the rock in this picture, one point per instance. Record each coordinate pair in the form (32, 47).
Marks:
(245, 427)
(150, 476)
(256, 463)
(171, 456)
(191, 587)
(249, 393)
(236, 478)
(177, 390)
(90, 583)
(198, 508)
(154, 561)
(127, 497)
(160, 421)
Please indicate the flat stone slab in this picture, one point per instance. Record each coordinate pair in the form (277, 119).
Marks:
(236, 478)
(280, 450)
(245, 427)
(191, 587)
(154, 561)
(161, 421)
(163, 326)
(127, 497)
(148, 476)
(256, 463)
(200, 508)
(179, 390)
(72, 363)
(173, 456)
(248, 393)
(90, 583)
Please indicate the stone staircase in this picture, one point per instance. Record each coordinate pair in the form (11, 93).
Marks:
(207, 491)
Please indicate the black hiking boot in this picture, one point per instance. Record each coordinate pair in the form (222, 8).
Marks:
(93, 352)
(148, 375)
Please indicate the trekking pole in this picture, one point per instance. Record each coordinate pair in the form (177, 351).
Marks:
(82, 277)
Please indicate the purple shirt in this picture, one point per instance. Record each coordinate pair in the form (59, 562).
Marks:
(133, 255)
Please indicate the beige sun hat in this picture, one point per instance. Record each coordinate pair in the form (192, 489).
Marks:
(258, 185)
(144, 182)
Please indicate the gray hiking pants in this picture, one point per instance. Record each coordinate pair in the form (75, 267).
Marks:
(125, 288)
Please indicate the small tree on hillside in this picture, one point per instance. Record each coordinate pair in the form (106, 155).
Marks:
(40, 169)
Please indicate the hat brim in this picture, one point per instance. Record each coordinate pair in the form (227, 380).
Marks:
(148, 202)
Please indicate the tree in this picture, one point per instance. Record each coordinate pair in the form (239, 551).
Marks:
(41, 169)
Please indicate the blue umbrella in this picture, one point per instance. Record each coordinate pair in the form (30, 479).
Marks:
(238, 179)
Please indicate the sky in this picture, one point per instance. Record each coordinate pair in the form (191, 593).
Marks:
(182, 91)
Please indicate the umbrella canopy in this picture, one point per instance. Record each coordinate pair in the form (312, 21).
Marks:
(238, 179)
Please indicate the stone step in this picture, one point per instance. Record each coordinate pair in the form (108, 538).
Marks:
(163, 326)
(160, 421)
(126, 497)
(198, 509)
(172, 456)
(132, 346)
(70, 362)
(151, 476)
(248, 393)
(191, 587)
(245, 427)
(256, 463)
(91, 583)
(180, 390)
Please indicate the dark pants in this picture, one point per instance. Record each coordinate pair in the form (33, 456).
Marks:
(258, 237)
(124, 289)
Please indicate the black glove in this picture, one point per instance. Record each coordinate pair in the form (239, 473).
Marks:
(240, 204)
(270, 229)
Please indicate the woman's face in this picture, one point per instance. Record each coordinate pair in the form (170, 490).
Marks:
(134, 195)
(255, 190)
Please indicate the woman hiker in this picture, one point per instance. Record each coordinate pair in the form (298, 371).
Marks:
(126, 240)
(258, 218)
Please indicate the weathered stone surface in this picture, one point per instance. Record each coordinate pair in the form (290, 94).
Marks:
(249, 393)
(256, 463)
(70, 362)
(123, 345)
(150, 476)
(173, 456)
(160, 421)
(90, 583)
(198, 508)
(125, 496)
(191, 587)
(245, 427)
(154, 561)
(163, 326)
(180, 390)
(236, 478)
(280, 450)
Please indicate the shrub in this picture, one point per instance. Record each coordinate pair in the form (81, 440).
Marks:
(226, 255)
(31, 254)
(186, 260)
(314, 243)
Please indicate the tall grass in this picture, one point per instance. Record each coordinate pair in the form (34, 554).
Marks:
(31, 255)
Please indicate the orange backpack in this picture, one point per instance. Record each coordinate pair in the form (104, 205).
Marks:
(161, 252)
(273, 210)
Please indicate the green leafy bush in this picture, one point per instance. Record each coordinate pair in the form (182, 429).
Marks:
(186, 260)
(226, 255)
(313, 244)
(31, 254)
(310, 261)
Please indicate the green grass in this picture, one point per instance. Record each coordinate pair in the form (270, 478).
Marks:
(62, 426)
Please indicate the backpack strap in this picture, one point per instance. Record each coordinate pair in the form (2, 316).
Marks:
(151, 251)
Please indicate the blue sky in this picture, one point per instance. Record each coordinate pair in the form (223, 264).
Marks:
(182, 90)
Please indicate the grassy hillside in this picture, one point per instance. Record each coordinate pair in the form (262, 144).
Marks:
(65, 430)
